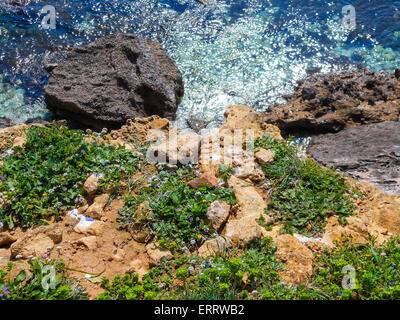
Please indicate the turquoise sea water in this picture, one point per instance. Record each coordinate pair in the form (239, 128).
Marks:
(230, 52)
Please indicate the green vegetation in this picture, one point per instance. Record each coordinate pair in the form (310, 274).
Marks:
(127, 287)
(303, 194)
(252, 273)
(178, 210)
(224, 277)
(46, 176)
(28, 284)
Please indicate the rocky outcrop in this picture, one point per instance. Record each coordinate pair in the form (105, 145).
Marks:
(96, 210)
(369, 153)
(218, 213)
(244, 225)
(329, 103)
(6, 238)
(5, 122)
(37, 242)
(225, 145)
(113, 79)
(213, 246)
(205, 179)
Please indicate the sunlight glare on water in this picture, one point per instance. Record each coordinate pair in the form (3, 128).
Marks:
(230, 52)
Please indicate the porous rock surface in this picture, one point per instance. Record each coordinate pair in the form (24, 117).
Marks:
(331, 102)
(113, 79)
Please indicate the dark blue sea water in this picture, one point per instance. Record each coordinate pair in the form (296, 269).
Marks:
(229, 51)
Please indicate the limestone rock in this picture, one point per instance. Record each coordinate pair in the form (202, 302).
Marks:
(6, 239)
(212, 246)
(19, 142)
(204, 179)
(31, 245)
(95, 228)
(244, 225)
(225, 145)
(139, 266)
(176, 148)
(91, 185)
(264, 156)
(156, 254)
(297, 258)
(96, 210)
(88, 242)
(218, 213)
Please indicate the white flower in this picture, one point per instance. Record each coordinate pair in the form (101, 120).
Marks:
(192, 242)
(18, 256)
(87, 276)
(191, 269)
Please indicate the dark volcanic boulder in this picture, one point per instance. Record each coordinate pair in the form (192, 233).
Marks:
(331, 102)
(113, 79)
(6, 122)
(370, 153)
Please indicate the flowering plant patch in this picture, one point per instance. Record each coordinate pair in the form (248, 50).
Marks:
(302, 193)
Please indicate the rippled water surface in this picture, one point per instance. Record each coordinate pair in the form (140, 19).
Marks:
(230, 52)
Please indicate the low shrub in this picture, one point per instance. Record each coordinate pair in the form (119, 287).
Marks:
(302, 193)
(46, 176)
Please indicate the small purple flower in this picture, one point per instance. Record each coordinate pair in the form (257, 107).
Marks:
(393, 264)
(393, 283)
(45, 256)
(83, 151)
(1, 294)
(291, 167)
(191, 219)
(5, 289)
(2, 178)
(336, 203)
(339, 294)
